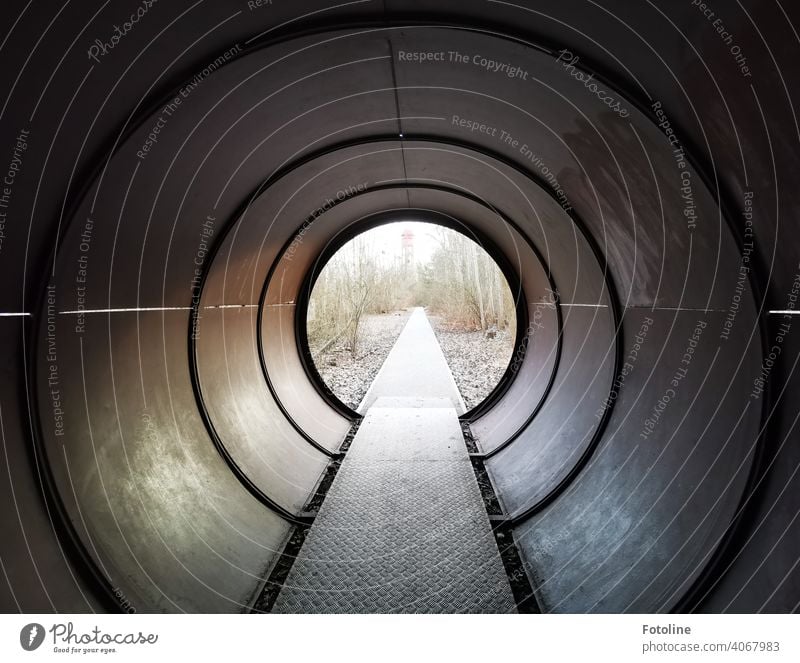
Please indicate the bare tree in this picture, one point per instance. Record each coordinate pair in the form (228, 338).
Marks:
(465, 286)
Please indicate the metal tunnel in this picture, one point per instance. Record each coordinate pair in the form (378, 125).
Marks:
(171, 195)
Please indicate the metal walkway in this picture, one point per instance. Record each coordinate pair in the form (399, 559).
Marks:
(403, 527)
(415, 368)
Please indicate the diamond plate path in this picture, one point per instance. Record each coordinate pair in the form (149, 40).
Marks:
(403, 527)
(415, 368)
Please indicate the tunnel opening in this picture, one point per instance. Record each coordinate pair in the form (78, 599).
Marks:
(365, 289)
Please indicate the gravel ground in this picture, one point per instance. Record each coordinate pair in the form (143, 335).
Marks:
(348, 377)
(477, 362)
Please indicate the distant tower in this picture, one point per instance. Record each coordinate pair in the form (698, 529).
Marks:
(407, 245)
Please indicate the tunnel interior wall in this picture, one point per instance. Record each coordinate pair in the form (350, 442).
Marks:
(129, 493)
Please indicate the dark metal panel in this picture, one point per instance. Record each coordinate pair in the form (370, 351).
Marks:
(155, 211)
(241, 408)
(759, 570)
(38, 574)
(545, 452)
(292, 386)
(619, 174)
(154, 503)
(638, 526)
